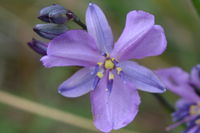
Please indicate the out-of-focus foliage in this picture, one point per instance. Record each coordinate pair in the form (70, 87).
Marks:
(196, 4)
(22, 74)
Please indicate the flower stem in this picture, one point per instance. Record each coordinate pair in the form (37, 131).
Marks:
(76, 19)
(164, 103)
(196, 4)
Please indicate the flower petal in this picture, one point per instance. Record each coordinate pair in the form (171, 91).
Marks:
(79, 84)
(191, 129)
(177, 81)
(138, 23)
(141, 77)
(116, 109)
(74, 47)
(180, 103)
(195, 76)
(55, 61)
(196, 129)
(151, 44)
(99, 28)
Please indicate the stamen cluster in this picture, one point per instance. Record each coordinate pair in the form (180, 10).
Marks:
(109, 67)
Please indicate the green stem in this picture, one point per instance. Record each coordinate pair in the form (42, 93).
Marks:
(164, 103)
(196, 4)
(76, 19)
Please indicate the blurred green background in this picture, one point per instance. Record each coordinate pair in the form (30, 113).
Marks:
(22, 74)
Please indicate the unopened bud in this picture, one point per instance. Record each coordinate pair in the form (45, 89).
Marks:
(54, 14)
(38, 46)
(49, 31)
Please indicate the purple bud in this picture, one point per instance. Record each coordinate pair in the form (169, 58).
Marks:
(54, 14)
(38, 46)
(49, 31)
(58, 16)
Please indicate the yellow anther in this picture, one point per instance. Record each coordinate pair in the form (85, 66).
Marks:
(194, 110)
(113, 59)
(100, 63)
(100, 74)
(111, 76)
(119, 69)
(197, 121)
(109, 64)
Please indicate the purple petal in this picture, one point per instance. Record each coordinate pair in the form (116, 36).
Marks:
(151, 44)
(79, 84)
(138, 24)
(141, 77)
(195, 76)
(182, 102)
(177, 81)
(191, 129)
(116, 109)
(196, 129)
(74, 47)
(55, 61)
(99, 28)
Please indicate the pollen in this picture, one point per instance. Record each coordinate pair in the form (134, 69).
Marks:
(197, 122)
(100, 63)
(111, 76)
(100, 74)
(113, 59)
(194, 110)
(119, 69)
(109, 64)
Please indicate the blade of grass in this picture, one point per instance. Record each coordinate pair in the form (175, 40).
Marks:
(48, 112)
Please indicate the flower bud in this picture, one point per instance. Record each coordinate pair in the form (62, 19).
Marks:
(38, 47)
(49, 31)
(54, 14)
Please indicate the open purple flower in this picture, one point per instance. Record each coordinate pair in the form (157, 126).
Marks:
(111, 79)
(187, 86)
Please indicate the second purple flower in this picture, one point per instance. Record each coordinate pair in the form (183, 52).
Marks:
(187, 86)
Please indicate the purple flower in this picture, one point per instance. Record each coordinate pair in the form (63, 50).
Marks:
(187, 86)
(107, 74)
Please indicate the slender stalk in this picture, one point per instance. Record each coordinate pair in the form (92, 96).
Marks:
(76, 19)
(164, 103)
(196, 4)
(48, 112)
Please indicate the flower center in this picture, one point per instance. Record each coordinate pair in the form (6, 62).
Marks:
(109, 64)
(195, 109)
(110, 67)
